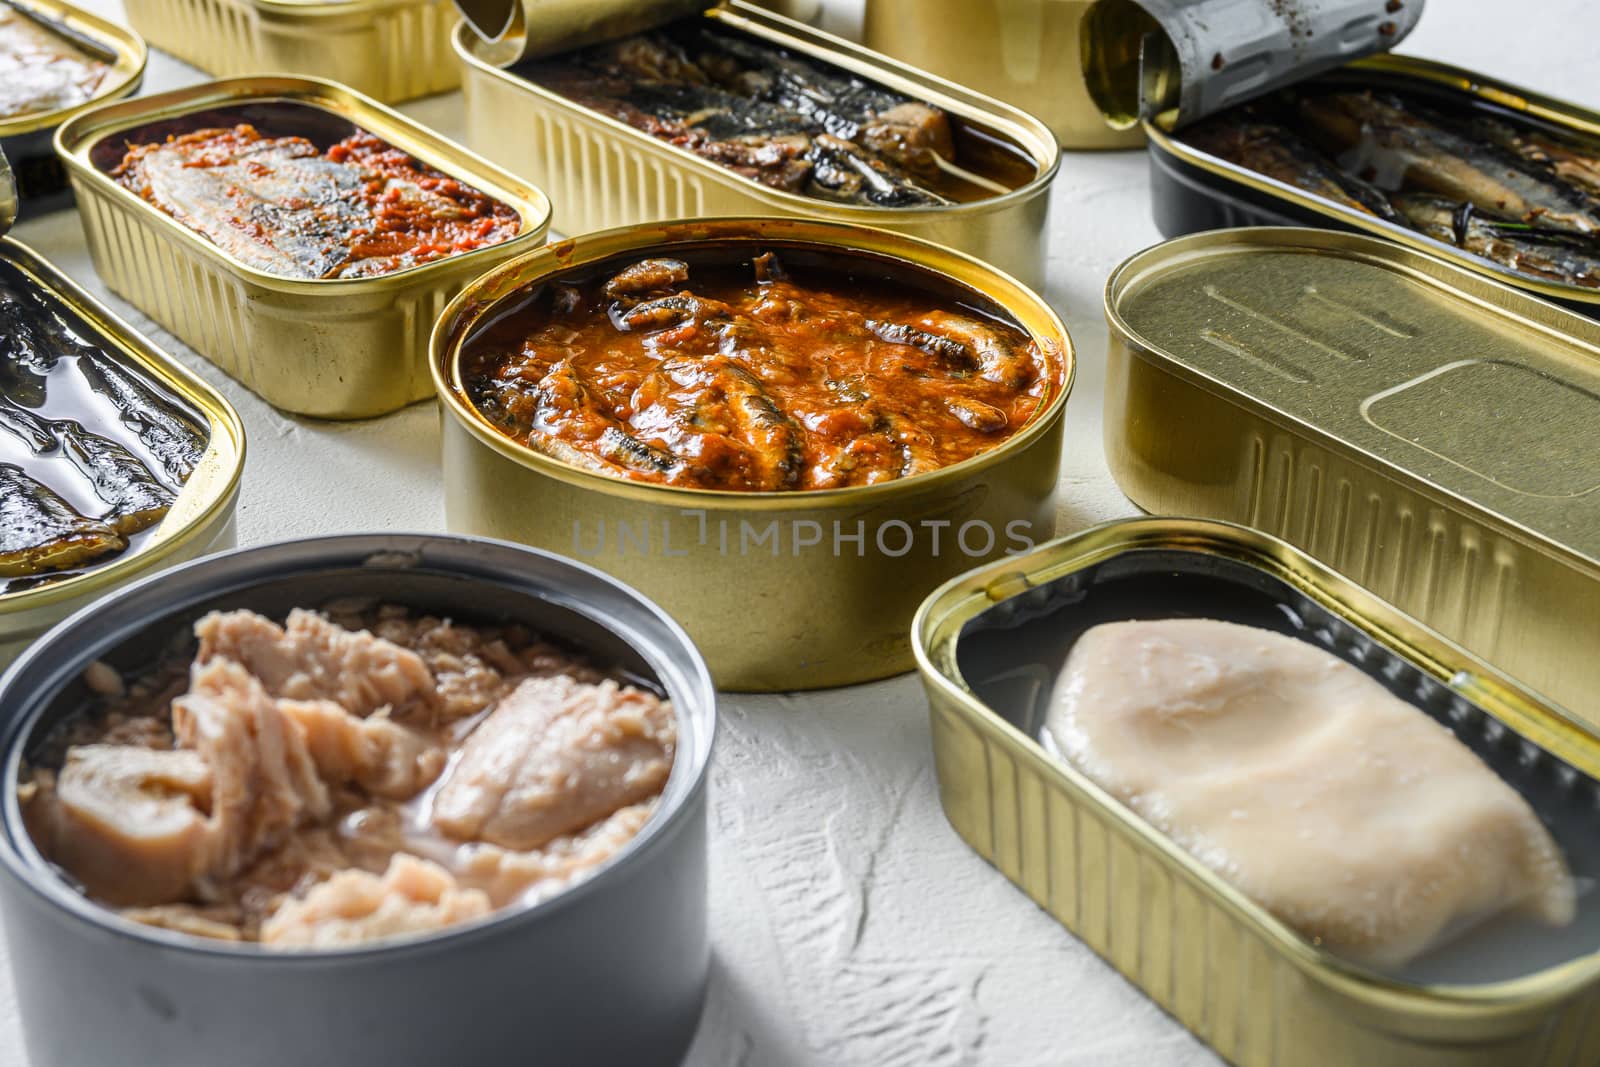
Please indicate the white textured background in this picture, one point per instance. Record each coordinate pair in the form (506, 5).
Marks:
(851, 926)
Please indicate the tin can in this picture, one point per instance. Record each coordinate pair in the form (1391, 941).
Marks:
(1025, 52)
(340, 348)
(781, 590)
(559, 25)
(1246, 984)
(603, 173)
(28, 140)
(1192, 190)
(1413, 424)
(390, 50)
(200, 521)
(628, 943)
(1174, 61)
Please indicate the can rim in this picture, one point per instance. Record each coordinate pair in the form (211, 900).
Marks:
(79, 135)
(936, 627)
(469, 306)
(225, 449)
(123, 79)
(694, 704)
(1044, 149)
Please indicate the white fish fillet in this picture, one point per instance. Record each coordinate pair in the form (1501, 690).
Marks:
(1343, 810)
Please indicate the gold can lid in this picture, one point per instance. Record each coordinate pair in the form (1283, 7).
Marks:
(1174, 61)
(1471, 393)
(513, 30)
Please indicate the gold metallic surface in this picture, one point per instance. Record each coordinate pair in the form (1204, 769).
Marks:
(602, 173)
(767, 615)
(1242, 981)
(8, 195)
(391, 50)
(1025, 52)
(517, 29)
(339, 348)
(1417, 426)
(121, 80)
(201, 520)
(1394, 69)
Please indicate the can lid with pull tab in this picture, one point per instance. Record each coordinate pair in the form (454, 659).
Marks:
(1174, 61)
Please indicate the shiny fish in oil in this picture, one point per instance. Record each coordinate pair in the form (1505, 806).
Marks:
(784, 119)
(755, 376)
(93, 453)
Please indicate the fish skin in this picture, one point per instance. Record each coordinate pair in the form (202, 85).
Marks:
(41, 532)
(175, 438)
(1559, 257)
(1565, 160)
(1277, 152)
(1371, 131)
(746, 414)
(138, 501)
(957, 355)
(647, 276)
(32, 430)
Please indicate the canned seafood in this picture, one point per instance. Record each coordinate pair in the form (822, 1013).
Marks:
(990, 647)
(333, 347)
(100, 423)
(113, 59)
(629, 942)
(602, 172)
(1414, 425)
(786, 589)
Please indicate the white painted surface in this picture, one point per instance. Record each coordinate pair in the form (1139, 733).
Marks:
(851, 926)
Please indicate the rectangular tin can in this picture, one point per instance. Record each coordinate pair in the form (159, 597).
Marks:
(1246, 984)
(200, 521)
(1192, 190)
(28, 141)
(1425, 430)
(1025, 52)
(602, 173)
(780, 590)
(391, 50)
(339, 348)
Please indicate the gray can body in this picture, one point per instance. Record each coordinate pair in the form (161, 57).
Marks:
(612, 971)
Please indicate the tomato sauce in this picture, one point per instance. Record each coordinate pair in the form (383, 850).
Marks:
(753, 376)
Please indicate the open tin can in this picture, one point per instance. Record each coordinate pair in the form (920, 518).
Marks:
(339, 348)
(1415, 425)
(1025, 52)
(629, 943)
(604, 173)
(198, 521)
(989, 646)
(1262, 113)
(391, 50)
(780, 589)
(27, 139)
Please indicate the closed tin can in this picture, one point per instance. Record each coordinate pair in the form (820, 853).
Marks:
(339, 348)
(28, 139)
(198, 522)
(391, 50)
(1415, 425)
(781, 590)
(1025, 52)
(988, 645)
(1193, 190)
(603, 173)
(630, 942)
